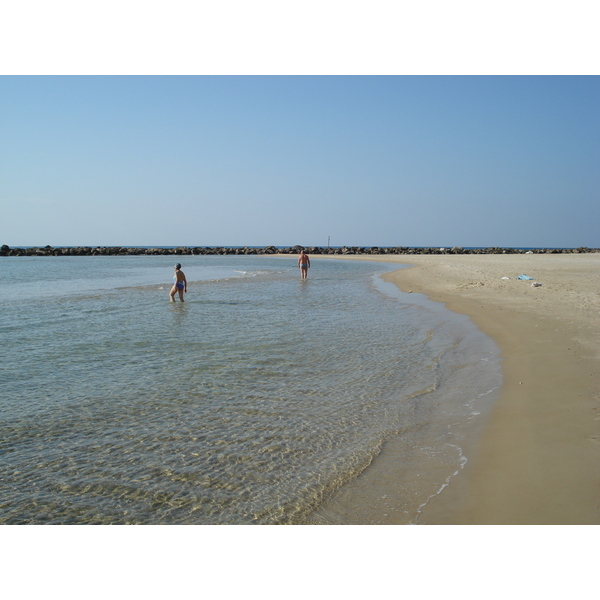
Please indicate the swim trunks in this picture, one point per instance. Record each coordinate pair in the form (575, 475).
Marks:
(179, 285)
(304, 266)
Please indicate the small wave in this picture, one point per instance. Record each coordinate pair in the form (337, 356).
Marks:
(462, 461)
(491, 391)
(257, 273)
(431, 388)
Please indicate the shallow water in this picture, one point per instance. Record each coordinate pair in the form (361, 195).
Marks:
(252, 402)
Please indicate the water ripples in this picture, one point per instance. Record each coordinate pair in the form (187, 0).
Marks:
(247, 404)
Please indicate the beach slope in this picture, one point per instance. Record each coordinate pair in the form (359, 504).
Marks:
(538, 460)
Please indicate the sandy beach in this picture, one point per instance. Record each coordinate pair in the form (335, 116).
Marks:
(538, 459)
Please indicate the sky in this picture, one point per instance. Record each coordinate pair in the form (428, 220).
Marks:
(258, 160)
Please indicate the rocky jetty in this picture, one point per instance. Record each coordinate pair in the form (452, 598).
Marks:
(228, 250)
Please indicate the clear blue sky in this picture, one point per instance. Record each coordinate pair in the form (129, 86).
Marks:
(284, 160)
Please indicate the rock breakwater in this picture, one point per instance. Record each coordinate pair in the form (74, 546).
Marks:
(233, 250)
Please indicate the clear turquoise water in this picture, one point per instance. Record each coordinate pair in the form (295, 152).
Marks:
(252, 402)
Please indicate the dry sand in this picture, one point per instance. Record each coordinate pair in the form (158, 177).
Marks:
(538, 460)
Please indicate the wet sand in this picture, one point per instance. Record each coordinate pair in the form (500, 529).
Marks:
(538, 458)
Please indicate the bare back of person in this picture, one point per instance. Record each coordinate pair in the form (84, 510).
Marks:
(179, 284)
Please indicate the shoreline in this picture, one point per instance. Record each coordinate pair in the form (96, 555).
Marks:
(537, 460)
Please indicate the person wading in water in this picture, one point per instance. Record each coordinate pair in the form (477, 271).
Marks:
(179, 285)
(304, 264)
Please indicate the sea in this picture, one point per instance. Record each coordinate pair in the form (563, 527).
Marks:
(261, 399)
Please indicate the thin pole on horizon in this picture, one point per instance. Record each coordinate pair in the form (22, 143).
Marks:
(328, 240)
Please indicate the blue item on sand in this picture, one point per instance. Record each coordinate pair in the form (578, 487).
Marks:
(525, 277)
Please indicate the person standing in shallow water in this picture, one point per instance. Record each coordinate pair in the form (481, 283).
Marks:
(179, 285)
(304, 264)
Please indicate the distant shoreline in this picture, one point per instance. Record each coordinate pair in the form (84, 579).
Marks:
(268, 250)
